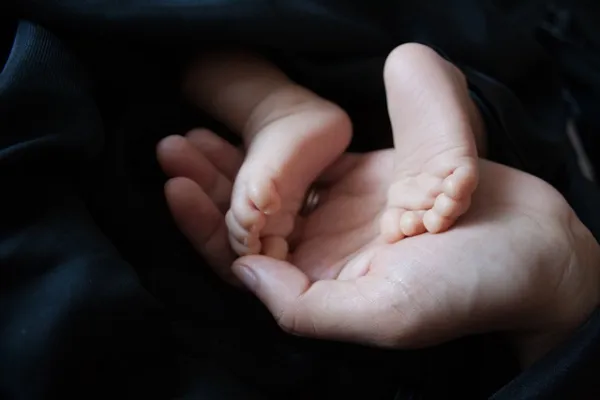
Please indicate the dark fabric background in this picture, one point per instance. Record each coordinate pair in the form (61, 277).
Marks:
(101, 297)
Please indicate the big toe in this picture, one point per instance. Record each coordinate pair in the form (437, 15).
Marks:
(462, 182)
(263, 194)
(446, 206)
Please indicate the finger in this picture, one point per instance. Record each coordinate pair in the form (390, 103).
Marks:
(222, 154)
(179, 158)
(328, 309)
(201, 222)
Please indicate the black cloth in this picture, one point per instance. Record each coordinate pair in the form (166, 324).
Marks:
(102, 297)
(572, 37)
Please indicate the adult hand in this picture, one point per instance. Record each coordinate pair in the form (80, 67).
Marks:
(519, 261)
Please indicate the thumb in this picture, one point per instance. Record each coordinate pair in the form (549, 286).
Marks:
(327, 309)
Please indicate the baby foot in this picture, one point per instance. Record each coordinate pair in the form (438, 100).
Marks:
(283, 160)
(435, 125)
(430, 199)
(255, 198)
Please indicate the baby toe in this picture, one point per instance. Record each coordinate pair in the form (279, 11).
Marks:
(435, 223)
(248, 217)
(241, 249)
(390, 225)
(411, 223)
(275, 247)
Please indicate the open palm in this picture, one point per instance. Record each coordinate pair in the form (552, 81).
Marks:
(504, 262)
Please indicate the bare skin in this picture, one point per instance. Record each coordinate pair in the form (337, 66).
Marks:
(519, 261)
(437, 130)
(291, 135)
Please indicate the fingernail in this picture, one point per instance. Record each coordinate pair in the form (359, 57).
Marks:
(247, 276)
